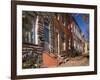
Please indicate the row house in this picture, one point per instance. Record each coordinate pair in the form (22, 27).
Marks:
(77, 38)
(49, 38)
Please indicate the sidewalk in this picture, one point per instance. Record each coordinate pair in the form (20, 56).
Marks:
(77, 61)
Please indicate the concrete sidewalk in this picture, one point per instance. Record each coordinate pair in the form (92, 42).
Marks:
(77, 61)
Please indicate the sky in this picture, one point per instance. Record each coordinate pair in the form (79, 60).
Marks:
(83, 22)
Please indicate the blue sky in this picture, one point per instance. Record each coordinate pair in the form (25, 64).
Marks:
(83, 24)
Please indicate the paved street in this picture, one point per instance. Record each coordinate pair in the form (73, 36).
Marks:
(77, 61)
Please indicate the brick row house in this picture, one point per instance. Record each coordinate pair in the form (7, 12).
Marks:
(49, 39)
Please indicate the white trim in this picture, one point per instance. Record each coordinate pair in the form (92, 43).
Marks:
(36, 30)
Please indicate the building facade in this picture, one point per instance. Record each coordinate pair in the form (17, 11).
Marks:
(49, 38)
(77, 38)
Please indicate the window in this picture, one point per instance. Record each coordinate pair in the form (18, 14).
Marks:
(68, 26)
(30, 28)
(71, 25)
(46, 30)
(33, 31)
(63, 41)
(64, 44)
(58, 17)
(63, 20)
(62, 36)
(69, 44)
(74, 44)
(64, 23)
